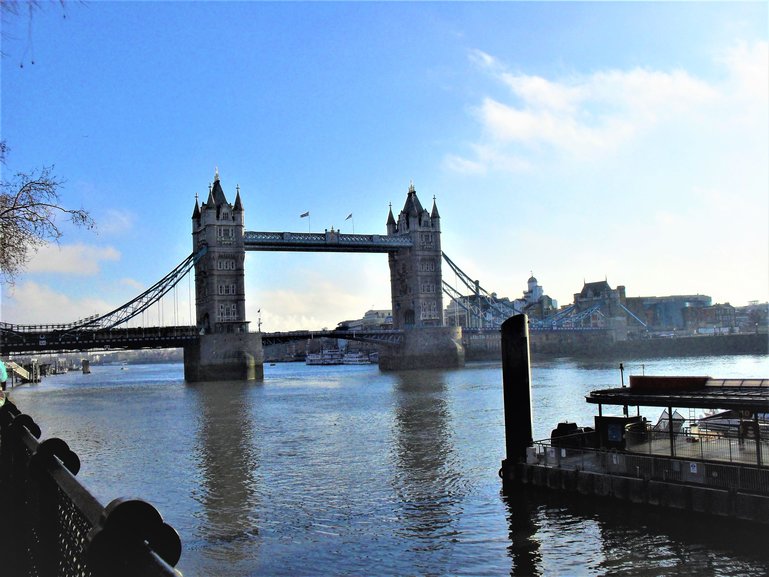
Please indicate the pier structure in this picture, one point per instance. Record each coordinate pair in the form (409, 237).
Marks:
(715, 466)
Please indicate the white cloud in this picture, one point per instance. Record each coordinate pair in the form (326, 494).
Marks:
(657, 179)
(133, 284)
(116, 222)
(462, 165)
(341, 287)
(747, 66)
(595, 115)
(73, 259)
(34, 303)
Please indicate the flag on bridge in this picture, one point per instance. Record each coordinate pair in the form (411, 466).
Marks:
(304, 214)
(349, 216)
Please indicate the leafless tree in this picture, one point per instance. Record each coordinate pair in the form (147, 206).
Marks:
(29, 207)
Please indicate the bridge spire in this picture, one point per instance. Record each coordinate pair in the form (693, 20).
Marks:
(238, 204)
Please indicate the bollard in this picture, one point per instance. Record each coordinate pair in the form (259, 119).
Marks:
(516, 384)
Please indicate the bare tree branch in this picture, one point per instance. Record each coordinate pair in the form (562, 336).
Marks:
(29, 207)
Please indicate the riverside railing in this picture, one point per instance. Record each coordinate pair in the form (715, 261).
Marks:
(723, 467)
(51, 525)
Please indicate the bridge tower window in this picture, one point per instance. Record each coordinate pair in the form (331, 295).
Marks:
(228, 312)
(225, 264)
(427, 265)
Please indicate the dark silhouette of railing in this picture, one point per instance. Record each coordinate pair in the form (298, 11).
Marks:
(51, 525)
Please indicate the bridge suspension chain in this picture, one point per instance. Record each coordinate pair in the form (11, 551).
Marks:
(132, 308)
(488, 308)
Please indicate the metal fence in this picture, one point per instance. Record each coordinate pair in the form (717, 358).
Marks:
(720, 465)
(702, 445)
(51, 525)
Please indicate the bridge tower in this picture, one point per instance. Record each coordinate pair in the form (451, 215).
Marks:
(226, 350)
(417, 292)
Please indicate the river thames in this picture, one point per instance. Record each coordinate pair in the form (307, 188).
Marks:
(346, 470)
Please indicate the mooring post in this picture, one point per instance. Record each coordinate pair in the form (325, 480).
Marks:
(516, 383)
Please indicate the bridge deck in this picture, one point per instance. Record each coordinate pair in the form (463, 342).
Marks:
(18, 339)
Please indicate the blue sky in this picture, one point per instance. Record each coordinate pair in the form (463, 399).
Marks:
(577, 141)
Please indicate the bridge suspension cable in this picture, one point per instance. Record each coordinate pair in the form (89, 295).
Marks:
(136, 306)
(490, 310)
(149, 297)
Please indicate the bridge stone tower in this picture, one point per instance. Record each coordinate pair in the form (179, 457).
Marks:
(417, 292)
(225, 350)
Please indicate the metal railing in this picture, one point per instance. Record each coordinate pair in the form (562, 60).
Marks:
(722, 465)
(701, 445)
(56, 527)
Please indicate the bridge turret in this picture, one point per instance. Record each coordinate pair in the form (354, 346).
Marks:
(435, 217)
(226, 349)
(417, 293)
(415, 272)
(196, 212)
(219, 275)
(391, 224)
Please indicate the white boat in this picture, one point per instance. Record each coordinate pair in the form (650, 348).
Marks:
(324, 357)
(356, 358)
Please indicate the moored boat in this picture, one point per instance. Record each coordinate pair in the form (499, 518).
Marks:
(324, 357)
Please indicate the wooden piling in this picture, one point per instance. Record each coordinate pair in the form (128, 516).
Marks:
(516, 383)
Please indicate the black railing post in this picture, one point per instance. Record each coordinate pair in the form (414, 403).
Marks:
(52, 525)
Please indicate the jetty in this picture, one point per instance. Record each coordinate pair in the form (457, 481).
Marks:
(715, 465)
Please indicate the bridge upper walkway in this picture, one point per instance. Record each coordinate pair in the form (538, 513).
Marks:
(330, 241)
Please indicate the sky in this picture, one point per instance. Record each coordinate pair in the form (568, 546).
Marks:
(573, 141)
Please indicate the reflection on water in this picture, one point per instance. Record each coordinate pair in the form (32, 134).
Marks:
(228, 467)
(524, 546)
(349, 471)
(427, 475)
(634, 540)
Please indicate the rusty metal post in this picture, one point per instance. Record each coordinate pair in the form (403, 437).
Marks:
(516, 383)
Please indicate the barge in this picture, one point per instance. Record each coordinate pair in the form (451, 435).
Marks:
(679, 463)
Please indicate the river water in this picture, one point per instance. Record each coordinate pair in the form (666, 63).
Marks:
(346, 470)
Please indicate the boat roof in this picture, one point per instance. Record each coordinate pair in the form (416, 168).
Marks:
(688, 392)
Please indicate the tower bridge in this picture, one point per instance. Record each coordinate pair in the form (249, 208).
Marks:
(220, 345)
(226, 349)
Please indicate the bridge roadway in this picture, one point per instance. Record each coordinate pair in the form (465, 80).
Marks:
(18, 339)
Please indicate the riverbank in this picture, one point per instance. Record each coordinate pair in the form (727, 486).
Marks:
(586, 346)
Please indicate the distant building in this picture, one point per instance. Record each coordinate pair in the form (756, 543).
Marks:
(597, 301)
(753, 318)
(535, 303)
(718, 318)
(668, 313)
(377, 319)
